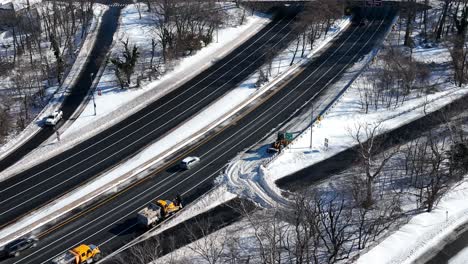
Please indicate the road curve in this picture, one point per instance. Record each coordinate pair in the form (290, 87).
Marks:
(51, 179)
(78, 92)
(111, 222)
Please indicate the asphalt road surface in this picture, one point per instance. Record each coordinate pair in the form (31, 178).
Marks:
(111, 222)
(78, 92)
(450, 250)
(60, 174)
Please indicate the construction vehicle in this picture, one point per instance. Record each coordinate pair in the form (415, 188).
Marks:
(282, 140)
(79, 255)
(158, 210)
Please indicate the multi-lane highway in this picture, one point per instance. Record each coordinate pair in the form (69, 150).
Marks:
(77, 93)
(60, 174)
(111, 222)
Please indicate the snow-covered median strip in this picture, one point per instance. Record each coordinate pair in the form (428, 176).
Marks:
(116, 104)
(151, 157)
(59, 96)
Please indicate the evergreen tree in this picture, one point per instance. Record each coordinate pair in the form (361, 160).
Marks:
(125, 68)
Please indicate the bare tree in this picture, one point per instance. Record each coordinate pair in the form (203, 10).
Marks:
(209, 248)
(335, 222)
(368, 146)
(5, 120)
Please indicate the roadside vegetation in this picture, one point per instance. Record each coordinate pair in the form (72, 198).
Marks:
(38, 44)
(175, 29)
(391, 179)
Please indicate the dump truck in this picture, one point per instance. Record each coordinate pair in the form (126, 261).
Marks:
(79, 255)
(158, 210)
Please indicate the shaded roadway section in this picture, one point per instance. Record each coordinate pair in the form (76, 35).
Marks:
(64, 172)
(78, 92)
(451, 249)
(111, 222)
(347, 158)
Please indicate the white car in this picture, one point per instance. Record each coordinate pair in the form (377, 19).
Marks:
(54, 118)
(189, 162)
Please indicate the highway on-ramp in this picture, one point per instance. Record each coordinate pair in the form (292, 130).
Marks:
(52, 178)
(111, 222)
(78, 92)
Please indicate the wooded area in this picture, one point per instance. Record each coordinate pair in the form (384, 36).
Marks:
(39, 45)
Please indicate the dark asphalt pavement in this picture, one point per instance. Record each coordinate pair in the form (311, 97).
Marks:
(78, 92)
(111, 222)
(450, 250)
(60, 174)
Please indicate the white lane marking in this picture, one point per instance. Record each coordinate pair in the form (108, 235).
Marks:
(217, 171)
(135, 131)
(108, 157)
(171, 179)
(244, 131)
(133, 122)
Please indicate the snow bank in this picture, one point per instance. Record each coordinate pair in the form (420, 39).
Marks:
(193, 129)
(115, 104)
(460, 258)
(424, 231)
(59, 94)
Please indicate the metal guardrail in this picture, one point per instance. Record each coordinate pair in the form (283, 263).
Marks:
(147, 235)
(333, 103)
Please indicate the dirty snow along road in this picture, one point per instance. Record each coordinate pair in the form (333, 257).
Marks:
(112, 222)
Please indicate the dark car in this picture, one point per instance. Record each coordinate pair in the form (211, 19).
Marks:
(14, 248)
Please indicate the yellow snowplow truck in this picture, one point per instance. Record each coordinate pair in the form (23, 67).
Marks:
(282, 140)
(156, 211)
(79, 255)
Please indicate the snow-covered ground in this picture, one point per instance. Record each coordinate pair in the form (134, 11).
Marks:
(209, 118)
(460, 258)
(257, 176)
(255, 179)
(183, 135)
(424, 231)
(115, 104)
(19, 4)
(56, 93)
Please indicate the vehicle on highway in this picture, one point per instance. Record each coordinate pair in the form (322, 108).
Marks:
(79, 255)
(189, 162)
(14, 248)
(363, 22)
(54, 118)
(157, 211)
